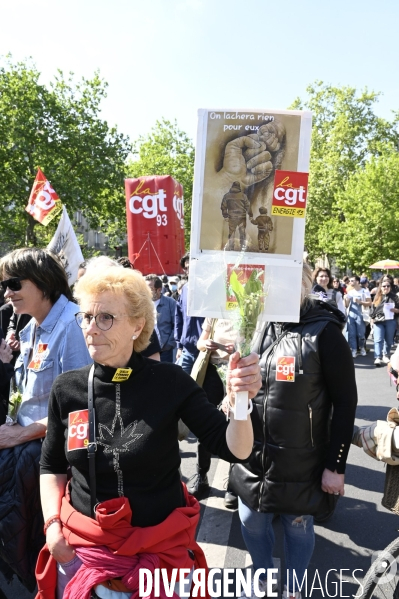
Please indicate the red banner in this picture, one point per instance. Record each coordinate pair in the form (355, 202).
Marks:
(155, 224)
(44, 204)
(290, 194)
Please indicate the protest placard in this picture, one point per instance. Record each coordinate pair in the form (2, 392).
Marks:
(249, 206)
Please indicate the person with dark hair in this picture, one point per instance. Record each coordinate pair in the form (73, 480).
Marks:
(6, 373)
(165, 323)
(188, 329)
(165, 290)
(356, 300)
(385, 307)
(125, 262)
(6, 313)
(338, 286)
(36, 284)
(185, 262)
(11, 324)
(323, 287)
(173, 281)
(364, 283)
(297, 465)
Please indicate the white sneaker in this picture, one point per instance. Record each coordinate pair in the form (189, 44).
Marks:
(262, 588)
(378, 362)
(285, 594)
(385, 359)
(354, 353)
(363, 352)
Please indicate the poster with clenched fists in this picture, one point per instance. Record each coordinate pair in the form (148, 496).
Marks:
(249, 205)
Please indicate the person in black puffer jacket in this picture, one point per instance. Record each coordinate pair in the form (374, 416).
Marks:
(297, 465)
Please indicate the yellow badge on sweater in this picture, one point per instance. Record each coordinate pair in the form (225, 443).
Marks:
(121, 374)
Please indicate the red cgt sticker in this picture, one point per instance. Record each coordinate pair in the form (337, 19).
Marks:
(40, 355)
(290, 194)
(78, 430)
(285, 369)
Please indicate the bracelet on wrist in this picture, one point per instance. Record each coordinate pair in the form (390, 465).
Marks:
(51, 521)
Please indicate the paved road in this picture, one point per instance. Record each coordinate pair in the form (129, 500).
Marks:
(359, 526)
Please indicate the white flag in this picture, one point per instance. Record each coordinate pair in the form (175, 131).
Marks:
(65, 245)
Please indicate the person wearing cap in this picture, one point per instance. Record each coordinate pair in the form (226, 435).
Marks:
(364, 282)
(235, 207)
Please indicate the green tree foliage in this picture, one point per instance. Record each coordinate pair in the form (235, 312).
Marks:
(166, 150)
(370, 202)
(58, 129)
(345, 134)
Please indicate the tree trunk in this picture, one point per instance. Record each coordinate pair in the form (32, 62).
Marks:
(30, 235)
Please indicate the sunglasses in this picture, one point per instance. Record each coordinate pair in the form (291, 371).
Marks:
(13, 284)
(385, 286)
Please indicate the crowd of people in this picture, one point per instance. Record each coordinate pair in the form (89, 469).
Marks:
(94, 384)
(371, 308)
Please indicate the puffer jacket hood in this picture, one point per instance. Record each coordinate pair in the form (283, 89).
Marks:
(316, 310)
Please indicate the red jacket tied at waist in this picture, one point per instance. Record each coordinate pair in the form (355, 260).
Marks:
(170, 540)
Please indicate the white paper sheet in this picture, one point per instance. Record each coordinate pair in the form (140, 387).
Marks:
(387, 311)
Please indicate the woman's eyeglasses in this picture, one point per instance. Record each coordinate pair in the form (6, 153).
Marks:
(386, 286)
(13, 284)
(103, 320)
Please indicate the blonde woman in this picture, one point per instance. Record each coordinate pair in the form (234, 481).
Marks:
(110, 521)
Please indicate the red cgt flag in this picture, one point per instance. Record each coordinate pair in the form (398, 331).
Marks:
(44, 204)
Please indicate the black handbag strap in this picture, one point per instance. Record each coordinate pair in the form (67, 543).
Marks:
(92, 446)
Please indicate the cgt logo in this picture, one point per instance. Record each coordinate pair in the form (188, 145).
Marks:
(150, 205)
(78, 430)
(290, 194)
(178, 207)
(285, 369)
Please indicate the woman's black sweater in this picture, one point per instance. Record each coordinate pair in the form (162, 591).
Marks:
(136, 429)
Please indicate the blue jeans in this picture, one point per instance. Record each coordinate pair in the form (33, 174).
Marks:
(384, 333)
(258, 534)
(356, 327)
(187, 359)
